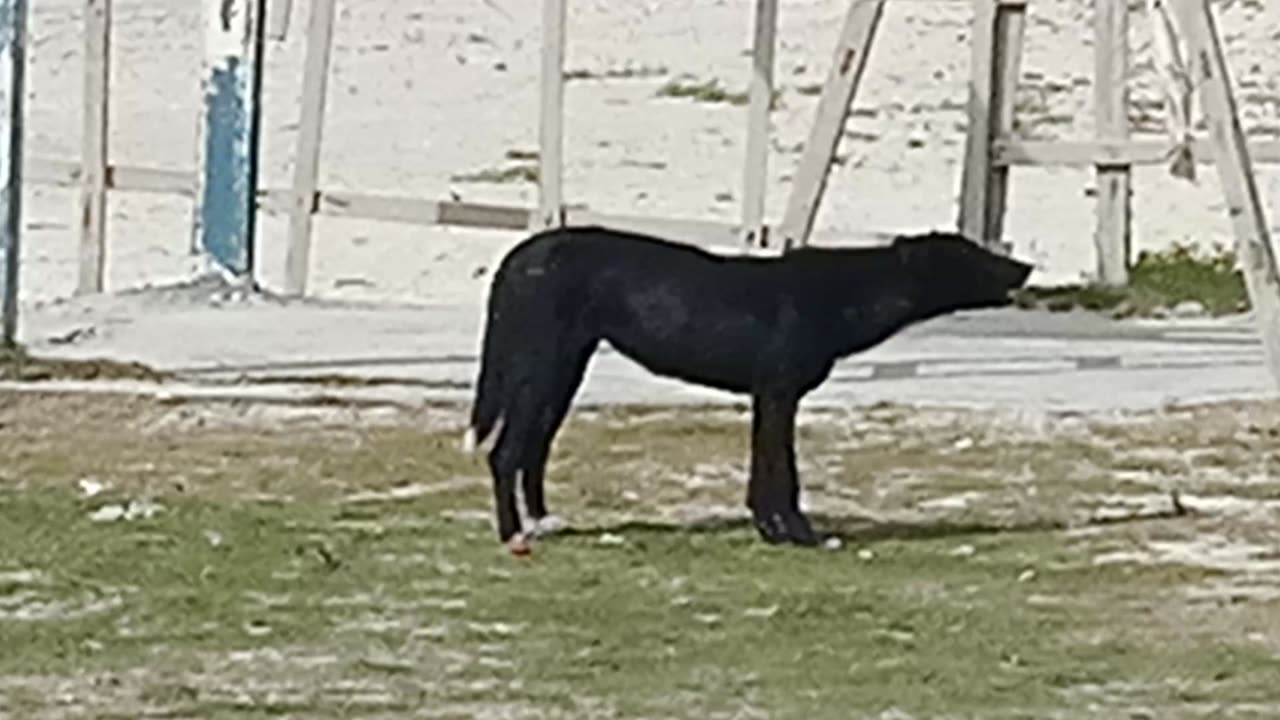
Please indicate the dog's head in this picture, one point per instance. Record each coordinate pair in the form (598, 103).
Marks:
(955, 273)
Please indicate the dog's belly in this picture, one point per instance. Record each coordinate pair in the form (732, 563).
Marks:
(724, 355)
(716, 372)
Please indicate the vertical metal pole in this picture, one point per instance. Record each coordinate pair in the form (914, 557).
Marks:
(13, 60)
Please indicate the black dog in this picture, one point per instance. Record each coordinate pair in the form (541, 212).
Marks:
(769, 327)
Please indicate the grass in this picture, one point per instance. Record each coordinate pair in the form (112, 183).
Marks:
(1158, 281)
(343, 567)
(516, 173)
(711, 92)
(628, 72)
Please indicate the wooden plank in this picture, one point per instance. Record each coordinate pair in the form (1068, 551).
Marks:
(551, 116)
(306, 158)
(838, 92)
(418, 211)
(1235, 172)
(13, 52)
(278, 14)
(93, 147)
(996, 47)
(1111, 236)
(66, 173)
(1011, 24)
(755, 173)
(153, 180)
(1051, 153)
(228, 146)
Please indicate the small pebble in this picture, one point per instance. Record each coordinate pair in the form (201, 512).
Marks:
(865, 554)
(611, 539)
(1026, 575)
(833, 543)
(963, 551)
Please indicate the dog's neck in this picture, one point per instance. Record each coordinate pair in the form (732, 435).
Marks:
(869, 316)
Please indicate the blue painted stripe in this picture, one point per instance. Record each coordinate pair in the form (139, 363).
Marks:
(226, 210)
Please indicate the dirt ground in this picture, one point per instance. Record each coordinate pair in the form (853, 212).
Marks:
(247, 561)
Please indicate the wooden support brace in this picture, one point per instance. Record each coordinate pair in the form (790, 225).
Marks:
(1231, 157)
(93, 178)
(756, 169)
(850, 59)
(278, 12)
(306, 167)
(1111, 103)
(551, 117)
(996, 37)
(13, 52)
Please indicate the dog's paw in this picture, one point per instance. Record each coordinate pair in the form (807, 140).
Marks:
(468, 442)
(785, 527)
(518, 546)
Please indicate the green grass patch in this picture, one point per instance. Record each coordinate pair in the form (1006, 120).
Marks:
(329, 569)
(516, 173)
(712, 92)
(1158, 282)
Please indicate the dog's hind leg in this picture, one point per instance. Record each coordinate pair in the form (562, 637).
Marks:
(505, 460)
(568, 378)
(773, 490)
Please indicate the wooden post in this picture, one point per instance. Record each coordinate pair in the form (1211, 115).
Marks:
(13, 62)
(756, 169)
(306, 159)
(93, 149)
(1231, 157)
(1111, 105)
(278, 12)
(996, 37)
(850, 59)
(226, 201)
(551, 117)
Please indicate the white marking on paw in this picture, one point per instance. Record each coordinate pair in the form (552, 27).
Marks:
(468, 444)
(548, 525)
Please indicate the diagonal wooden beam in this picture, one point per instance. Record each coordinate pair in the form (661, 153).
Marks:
(1235, 172)
(841, 87)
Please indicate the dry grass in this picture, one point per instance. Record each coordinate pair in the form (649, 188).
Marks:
(341, 563)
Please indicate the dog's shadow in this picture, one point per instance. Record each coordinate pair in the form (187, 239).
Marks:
(863, 530)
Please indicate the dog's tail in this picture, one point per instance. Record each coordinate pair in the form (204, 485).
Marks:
(486, 407)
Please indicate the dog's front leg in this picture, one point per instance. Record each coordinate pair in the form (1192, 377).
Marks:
(773, 489)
